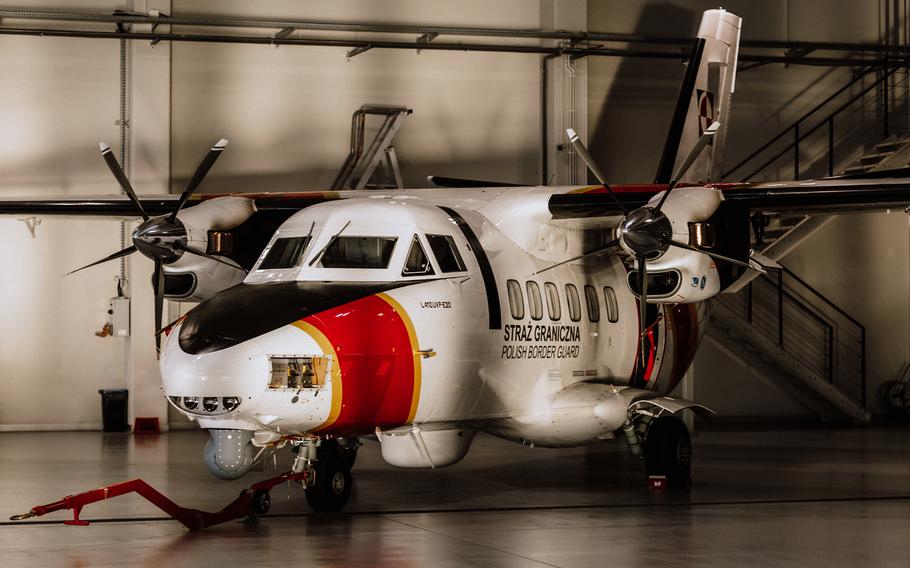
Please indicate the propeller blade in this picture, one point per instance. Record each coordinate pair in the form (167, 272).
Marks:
(643, 306)
(197, 252)
(125, 252)
(714, 255)
(592, 165)
(204, 166)
(158, 286)
(604, 248)
(115, 168)
(690, 159)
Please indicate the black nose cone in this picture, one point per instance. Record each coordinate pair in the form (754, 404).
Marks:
(246, 311)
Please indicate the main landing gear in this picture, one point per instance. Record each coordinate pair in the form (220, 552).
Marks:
(325, 468)
(663, 442)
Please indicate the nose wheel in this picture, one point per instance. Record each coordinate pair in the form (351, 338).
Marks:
(332, 488)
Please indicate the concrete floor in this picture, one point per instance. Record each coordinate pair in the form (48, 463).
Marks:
(780, 498)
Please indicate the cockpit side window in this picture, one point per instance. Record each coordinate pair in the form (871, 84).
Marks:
(358, 252)
(447, 255)
(417, 263)
(285, 253)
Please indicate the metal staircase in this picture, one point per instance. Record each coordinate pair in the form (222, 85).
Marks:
(798, 339)
(860, 128)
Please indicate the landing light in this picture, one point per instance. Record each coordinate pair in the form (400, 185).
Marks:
(206, 406)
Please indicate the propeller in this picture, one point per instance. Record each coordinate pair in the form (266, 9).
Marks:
(162, 239)
(646, 231)
(582, 151)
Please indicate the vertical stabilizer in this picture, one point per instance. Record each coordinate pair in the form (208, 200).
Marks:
(709, 99)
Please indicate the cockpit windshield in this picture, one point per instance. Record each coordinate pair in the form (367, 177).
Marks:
(285, 253)
(358, 252)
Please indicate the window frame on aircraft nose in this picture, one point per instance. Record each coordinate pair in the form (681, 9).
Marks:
(427, 269)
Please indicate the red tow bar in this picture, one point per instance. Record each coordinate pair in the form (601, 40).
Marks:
(192, 519)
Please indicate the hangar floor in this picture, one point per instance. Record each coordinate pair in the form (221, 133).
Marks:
(807, 498)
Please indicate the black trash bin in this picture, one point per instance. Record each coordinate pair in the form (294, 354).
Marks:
(114, 409)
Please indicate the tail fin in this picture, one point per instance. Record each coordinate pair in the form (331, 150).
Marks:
(705, 96)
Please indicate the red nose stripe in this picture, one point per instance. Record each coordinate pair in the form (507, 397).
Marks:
(376, 358)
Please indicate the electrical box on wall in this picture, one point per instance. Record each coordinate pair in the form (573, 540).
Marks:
(120, 316)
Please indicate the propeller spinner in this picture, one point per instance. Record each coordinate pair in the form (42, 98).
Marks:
(162, 239)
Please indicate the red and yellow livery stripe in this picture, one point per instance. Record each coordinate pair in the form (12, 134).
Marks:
(376, 370)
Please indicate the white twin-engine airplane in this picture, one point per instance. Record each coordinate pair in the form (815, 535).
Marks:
(420, 317)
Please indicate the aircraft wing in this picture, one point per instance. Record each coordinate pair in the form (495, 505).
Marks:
(846, 194)
(121, 206)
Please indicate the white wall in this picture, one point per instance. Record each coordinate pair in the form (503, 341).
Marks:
(287, 110)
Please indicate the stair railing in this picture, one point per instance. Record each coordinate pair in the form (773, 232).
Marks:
(814, 120)
(807, 326)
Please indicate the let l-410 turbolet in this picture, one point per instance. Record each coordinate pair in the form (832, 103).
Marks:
(417, 323)
(550, 316)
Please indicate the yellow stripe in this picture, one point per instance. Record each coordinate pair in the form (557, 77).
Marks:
(585, 189)
(328, 349)
(412, 336)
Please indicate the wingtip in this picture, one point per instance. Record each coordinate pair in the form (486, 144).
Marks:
(104, 147)
(221, 144)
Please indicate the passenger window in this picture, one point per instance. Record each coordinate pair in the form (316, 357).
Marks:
(553, 306)
(284, 253)
(535, 302)
(417, 263)
(358, 252)
(611, 304)
(446, 253)
(573, 302)
(592, 302)
(516, 300)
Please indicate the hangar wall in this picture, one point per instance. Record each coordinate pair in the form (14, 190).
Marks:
(287, 113)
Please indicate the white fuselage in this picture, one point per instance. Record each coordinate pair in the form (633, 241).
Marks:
(387, 336)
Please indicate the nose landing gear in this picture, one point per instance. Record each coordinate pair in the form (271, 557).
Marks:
(332, 488)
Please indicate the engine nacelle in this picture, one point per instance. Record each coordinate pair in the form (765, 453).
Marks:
(678, 275)
(194, 278)
(416, 448)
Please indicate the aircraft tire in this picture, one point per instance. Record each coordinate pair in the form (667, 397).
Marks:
(332, 489)
(261, 502)
(668, 451)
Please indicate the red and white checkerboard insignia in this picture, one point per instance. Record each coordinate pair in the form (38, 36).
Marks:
(705, 110)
